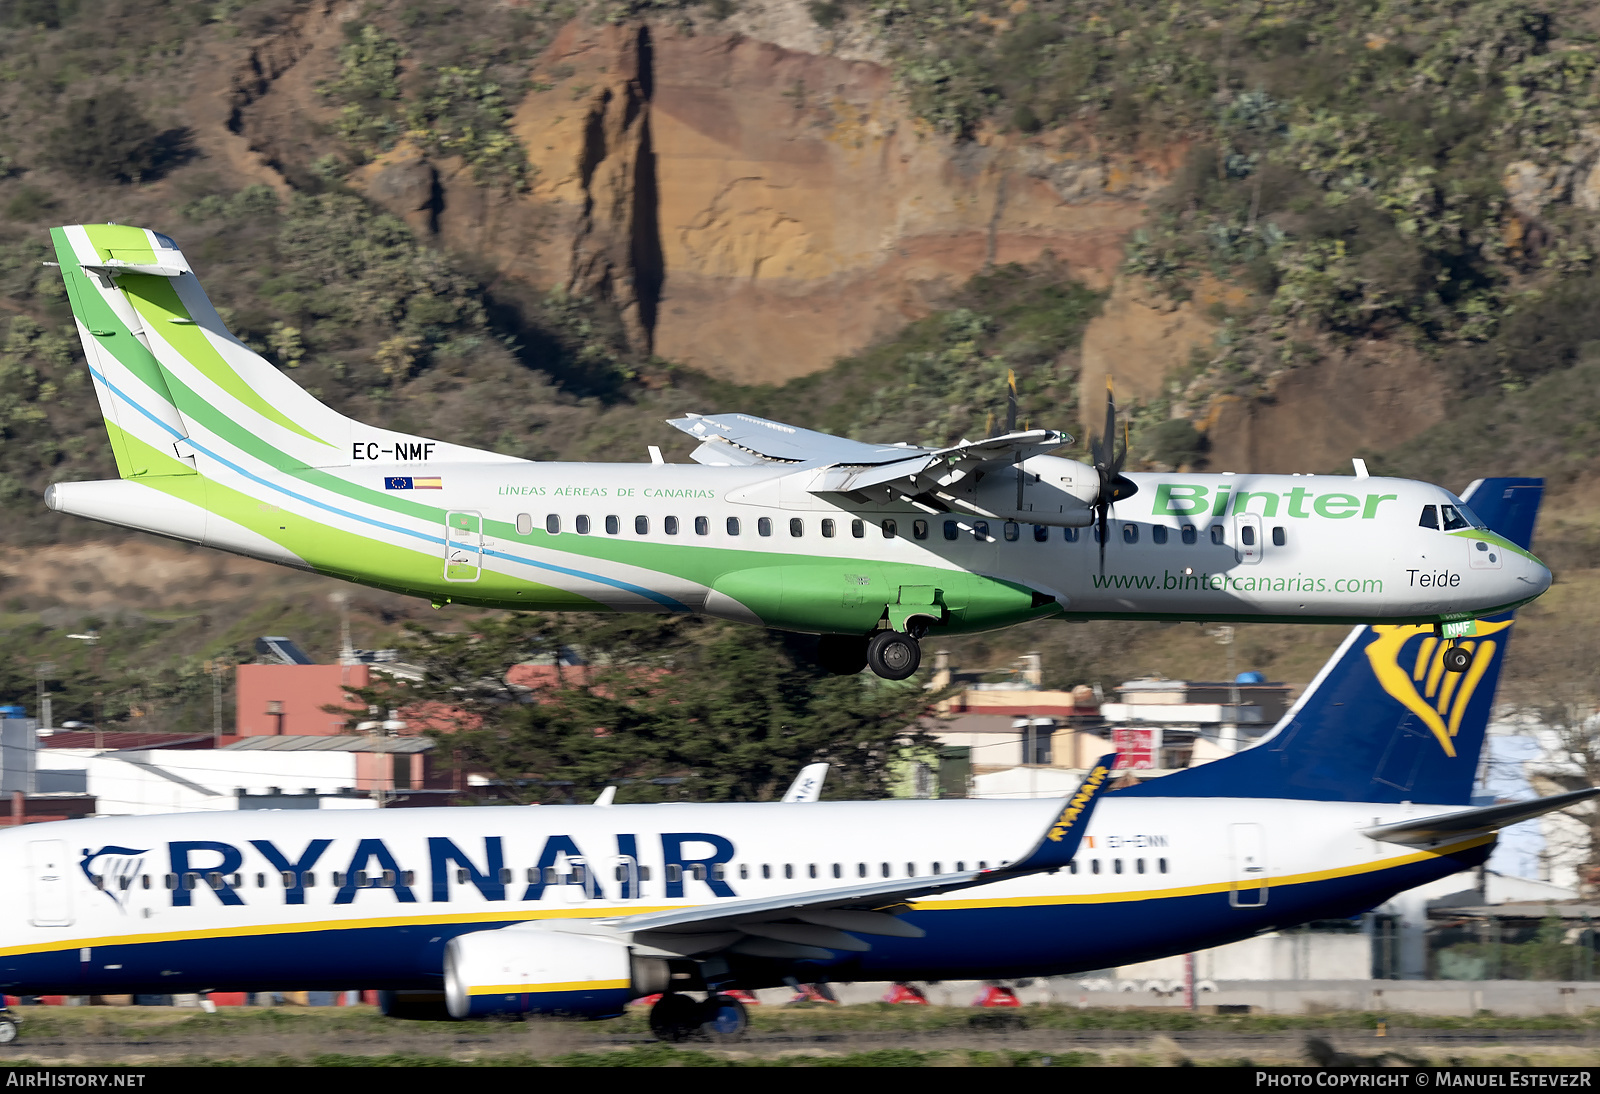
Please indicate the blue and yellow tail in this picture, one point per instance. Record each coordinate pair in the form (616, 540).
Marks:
(1383, 721)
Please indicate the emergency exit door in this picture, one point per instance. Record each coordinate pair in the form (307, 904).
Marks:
(463, 545)
(1247, 858)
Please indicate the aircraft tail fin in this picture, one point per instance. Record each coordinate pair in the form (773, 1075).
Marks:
(178, 389)
(1383, 721)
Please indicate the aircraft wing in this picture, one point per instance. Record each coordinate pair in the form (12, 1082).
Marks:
(745, 439)
(1487, 819)
(813, 924)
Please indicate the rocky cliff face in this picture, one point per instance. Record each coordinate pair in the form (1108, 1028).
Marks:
(757, 211)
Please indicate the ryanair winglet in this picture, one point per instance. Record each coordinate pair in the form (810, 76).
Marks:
(1060, 842)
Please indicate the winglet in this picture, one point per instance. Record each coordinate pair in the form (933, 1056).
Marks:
(1059, 844)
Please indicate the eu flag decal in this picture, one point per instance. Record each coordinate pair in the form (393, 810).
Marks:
(411, 482)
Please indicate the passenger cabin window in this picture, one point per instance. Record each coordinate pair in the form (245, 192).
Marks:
(524, 524)
(674, 874)
(1161, 864)
(669, 525)
(1279, 537)
(613, 525)
(1217, 535)
(1012, 531)
(919, 529)
(797, 527)
(1070, 535)
(1247, 536)
(1158, 534)
(827, 527)
(788, 869)
(764, 526)
(889, 529)
(581, 524)
(858, 529)
(1041, 533)
(702, 526)
(980, 531)
(951, 529)
(552, 524)
(1188, 534)
(1130, 533)
(641, 526)
(812, 870)
(733, 526)
(766, 870)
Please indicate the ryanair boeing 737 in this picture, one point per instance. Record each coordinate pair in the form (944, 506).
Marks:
(1361, 791)
(871, 546)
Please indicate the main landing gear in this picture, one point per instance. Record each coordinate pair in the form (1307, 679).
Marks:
(893, 655)
(676, 1018)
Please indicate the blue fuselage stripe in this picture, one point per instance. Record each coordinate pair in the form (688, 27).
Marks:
(660, 598)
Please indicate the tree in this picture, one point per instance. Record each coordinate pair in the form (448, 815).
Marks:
(709, 711)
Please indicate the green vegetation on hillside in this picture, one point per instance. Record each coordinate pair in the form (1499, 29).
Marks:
(1369, 169)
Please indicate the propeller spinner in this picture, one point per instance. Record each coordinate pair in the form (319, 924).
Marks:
(1114, 485)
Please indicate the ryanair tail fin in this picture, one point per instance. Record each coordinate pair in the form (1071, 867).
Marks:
(177, 389)
(1383, 721)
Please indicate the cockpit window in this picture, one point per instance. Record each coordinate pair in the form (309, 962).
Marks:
(1430, 517)
(1453, 520)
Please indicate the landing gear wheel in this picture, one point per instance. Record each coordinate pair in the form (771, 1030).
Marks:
(842, 654)
(723, 1019)
(893, 656)
(8, 1029)
(675, 1018)
(1457, 658)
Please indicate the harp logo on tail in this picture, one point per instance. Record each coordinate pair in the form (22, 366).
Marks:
(1414, 675)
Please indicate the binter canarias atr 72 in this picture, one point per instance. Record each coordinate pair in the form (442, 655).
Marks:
(871, 546)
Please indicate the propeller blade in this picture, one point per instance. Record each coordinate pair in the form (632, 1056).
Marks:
(1011, 401)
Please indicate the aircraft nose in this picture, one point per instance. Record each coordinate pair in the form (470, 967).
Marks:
(1537, 578)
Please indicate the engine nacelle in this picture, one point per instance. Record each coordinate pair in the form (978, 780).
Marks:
(534, 969)
(1054, 492)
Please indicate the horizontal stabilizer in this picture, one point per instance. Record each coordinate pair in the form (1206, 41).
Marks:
(116, 266)
(1488, 819)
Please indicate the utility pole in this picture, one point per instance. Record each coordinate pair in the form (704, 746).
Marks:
(1230, 727)
(45, 671)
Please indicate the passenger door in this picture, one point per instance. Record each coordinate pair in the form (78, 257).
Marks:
(463, 545)
(49, 884)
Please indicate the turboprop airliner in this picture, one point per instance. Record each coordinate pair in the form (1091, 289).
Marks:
(871, 546)
(1361, 791)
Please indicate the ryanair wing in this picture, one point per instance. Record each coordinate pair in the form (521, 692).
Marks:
(1442, 826)
(811, 925)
